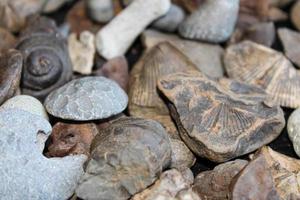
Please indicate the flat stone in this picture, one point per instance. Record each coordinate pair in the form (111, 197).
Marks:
(214, 21)
(293, 128)
(82, 52)
(167, 186)
(87, 98)
(291, 42)
(215, 184)
(25, 172)
(27, 103)
(126, 158)
(170, 21)
(220, 121)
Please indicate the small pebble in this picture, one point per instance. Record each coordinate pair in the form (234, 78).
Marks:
(117, 36)
(25, 172)
(171, 20)
(82, 52)
(293, 128)
(214, 21)
(88, 98)
(100, 11)
(27, 103)
(295, 15)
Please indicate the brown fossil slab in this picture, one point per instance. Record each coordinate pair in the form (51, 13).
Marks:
(214, 184)
(126, 158)
(11, 63)
(217, 122)
(70, 139)
(271, 70)
(144, 100)
(270, 175)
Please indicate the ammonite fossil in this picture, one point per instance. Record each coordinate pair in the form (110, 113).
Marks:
(144, 100)
(272, 71)
(10, 74)
(216, 122)
(46, 60)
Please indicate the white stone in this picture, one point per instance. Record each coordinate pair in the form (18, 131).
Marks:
(117, 36)
(82, 52)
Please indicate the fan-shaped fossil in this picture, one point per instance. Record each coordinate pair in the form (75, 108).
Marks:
(144, 100)
(220, 123)
(272, 71)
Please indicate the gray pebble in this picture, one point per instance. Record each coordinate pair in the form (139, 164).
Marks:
(24, 172)
(293, 128)
(100, 10)
(171, 20)
(214, 21)
(88, 98)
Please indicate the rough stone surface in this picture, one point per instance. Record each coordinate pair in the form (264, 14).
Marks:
(295, 15)
(214, 184)
(293, 128)
(100, 11)
(71, 139)
(291, 43)
(171, 20)
(220, 122)
(87, 98)
(214, 21)
(25, 172)
(82, 52)
(117, 36)
(27, 103)
(126, 158)
(169, 184)
(208, 58)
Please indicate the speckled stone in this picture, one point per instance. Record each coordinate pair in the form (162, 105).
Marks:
(87, 98)
(293, 128)
(24, 172)
(27, 103)
(214, 21)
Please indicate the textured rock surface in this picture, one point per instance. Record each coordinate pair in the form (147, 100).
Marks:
(170, 21)
(11, 63)
(293, 128)
(27, 103)
(130, 22)
(169, 184)
(214, 184)
(82, 52)
(291, 43)
(182, 157)
(220, 122)
(295, 14)
(100, 11)
(214, 21)
(87, 98)
(271, 70)
(70, 139)
(126, 158)
(25, 172)
(208, 58)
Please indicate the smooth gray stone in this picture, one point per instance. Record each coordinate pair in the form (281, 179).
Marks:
(214, 21)
(293, 128)
(171, 20)
(24, 172)
(100, 10)
(87, 98)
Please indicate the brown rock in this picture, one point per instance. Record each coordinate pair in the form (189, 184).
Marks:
(271, 70)
(11, 63)
(216, 122)
(115, 69)
(295, 15)
(276, 14)
(214, 184)
(189, 5)
(7, 40)
(144, 100)
(291, 43)
(70, 139)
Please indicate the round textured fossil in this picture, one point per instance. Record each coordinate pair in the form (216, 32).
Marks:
(88, 98)
(10, 73)
(126, 158)
(47, 65)
(214, 21)
(272, 71)
(217, 122)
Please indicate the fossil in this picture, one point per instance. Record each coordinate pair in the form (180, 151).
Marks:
(217, 122)
(271, 70)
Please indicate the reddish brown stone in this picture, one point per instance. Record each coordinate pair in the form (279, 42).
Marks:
(67, 139)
